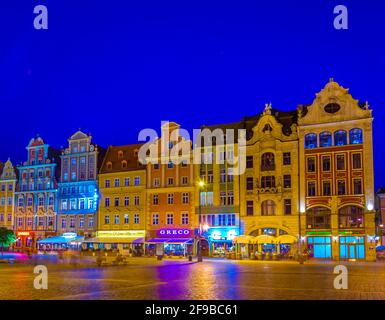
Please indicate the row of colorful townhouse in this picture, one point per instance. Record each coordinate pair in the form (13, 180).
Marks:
(306, 186)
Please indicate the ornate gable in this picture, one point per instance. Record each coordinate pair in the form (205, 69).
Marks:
(333, 104)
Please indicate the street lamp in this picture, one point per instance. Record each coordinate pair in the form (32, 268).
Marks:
(201, 185)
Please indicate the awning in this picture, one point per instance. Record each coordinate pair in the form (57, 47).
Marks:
(114, 240)
(264, 239)
(243, 239)
(286, 239)
(60, 240)
(170, 240)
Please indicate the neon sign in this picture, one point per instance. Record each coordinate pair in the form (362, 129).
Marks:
(23, 233)
(174, 232)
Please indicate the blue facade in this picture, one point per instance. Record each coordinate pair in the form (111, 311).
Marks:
(78, 188)
(36, 194)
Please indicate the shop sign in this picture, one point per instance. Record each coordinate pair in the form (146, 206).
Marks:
(174, 233)
(69, 235)
(23, 233)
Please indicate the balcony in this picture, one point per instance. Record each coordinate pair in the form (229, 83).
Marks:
(270, 190)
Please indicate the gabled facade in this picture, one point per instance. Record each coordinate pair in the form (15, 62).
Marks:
(36, 194)
(122, 185)
(336, 177)
(7, 190)
(269, 197)
(78, 188)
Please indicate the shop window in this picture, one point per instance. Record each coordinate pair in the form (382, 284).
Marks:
(319, 247)
(355, 136)
(352, 247)
(311, 141)
(268, 208)
(325, 139)
(351, 217)
(340, 138)
(267, 162)
(318, 218)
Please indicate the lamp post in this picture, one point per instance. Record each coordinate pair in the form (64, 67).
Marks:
(201, 185)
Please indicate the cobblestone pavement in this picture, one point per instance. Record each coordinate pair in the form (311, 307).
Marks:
(147, 278)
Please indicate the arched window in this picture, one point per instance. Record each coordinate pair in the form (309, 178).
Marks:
(325, 139)
(311, 141)
(124, 164)
(318, 218)
(340, 138)
(109, 165)
(267, 162)
(351, 217)
(268, 208)
(355, 136)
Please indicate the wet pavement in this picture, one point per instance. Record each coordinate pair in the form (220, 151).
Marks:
(147, 278)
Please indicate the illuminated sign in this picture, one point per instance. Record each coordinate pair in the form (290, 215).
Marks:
(69, 235)
(23, 233)
(121, 234)
(222, 234)
(174, 232)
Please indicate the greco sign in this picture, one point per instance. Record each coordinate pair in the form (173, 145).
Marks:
(174, 233)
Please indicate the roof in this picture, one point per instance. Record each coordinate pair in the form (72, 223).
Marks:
(117, 155)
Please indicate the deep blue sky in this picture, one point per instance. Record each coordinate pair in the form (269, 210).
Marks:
(115, 67)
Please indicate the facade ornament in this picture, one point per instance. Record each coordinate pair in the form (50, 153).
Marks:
(268, 108)
(366, 105)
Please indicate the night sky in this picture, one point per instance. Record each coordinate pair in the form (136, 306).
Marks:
(113, 68)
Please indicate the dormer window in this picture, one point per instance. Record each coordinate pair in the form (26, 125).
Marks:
(109, 165)
(120, 154)
(124, 164)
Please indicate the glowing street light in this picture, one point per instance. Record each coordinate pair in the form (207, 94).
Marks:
(201, 185)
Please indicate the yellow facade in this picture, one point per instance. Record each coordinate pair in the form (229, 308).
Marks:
(7, 189)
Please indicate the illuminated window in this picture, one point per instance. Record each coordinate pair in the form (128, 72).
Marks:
(325, 139)
(126, 201)
(170, 198)
(170, 218)
(340, 138)
(116, 219)
(184, 218)
(126, 218)
(155, 218)
(310, 141)
(117, 182)
(355, 136)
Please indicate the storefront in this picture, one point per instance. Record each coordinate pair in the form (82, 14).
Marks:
(124, 241)
(67, 241)
(352, 247)
(171, 242)
(220, 239)
(319, 247)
